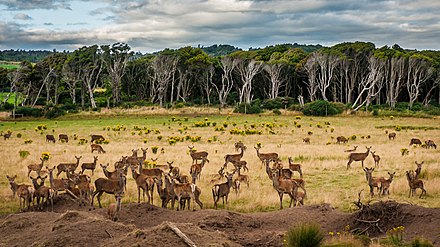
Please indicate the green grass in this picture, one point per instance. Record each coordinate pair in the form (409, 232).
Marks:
(8, 66)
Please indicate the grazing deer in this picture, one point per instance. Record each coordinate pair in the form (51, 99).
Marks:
(222, 190)
(50, 138)
(89, 166)
(68, 167)
(109, 186)
(376, 158)
(238, 164)
(386, 183)
(97, 147)
(63, 137)
(35, 167)
(284, 186)
(96, 137)
(266, 156)
(341, 139)
(24, 191)
(114, 208)
(43, 192)
(173, 170)
(197, 155)
(430, 144)
(306, 140)
(418, 169)
(414, 184)
(351, 150)
(141, 183)
(392, 136)
(358, 157)
(415, 141)
(233, 157)
(6, 135)
(295, 167)
(373, 182)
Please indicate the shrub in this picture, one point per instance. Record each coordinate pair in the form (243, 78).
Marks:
(45, 155)
(19, 135)
(29, 111)
(304, 235)
(23, 153)
(154, 149)
(420, 242)
(253, 108)
(276, 112)
(28, 141)
(54, 112)
(320, 108)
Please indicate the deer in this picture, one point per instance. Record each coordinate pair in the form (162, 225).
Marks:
(58, 184)
(386, 183)
(36, 167)
(164, 192)
(414, 184)
(430, 144)
(109, 186)
(376, 158)
(341, 139)
(97, 147)
(122, 163)
(373, 182)
(415, 141)
(89, 166)
(134, 159)
(418, 170)
(299, 198)
(358, 157)
(234, 157)
(240, 164)
(63, 137)
(50, 138)
(284, 186)
(96, 137)
(141, 183)
(306, 140)
(68, 167)
(217, 178)
(114, 175)
(173, 170)
(295, 167)
(266, 156)
(43, 192)
(6, 135)
(23, 191)
(151, 172)
(186, 199)
(392, 136)
(241, 178)
(114, 208)
(197, 155)
(179, 191)
(222, 190)
(351, 150)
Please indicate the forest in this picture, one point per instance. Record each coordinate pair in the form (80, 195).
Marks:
(355, 74)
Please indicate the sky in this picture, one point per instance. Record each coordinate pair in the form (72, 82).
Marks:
(153, 25)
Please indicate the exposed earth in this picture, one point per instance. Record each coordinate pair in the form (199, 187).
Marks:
(147, 225)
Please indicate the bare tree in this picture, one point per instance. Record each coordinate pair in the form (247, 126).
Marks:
(247, 70)
(327, 63)
(419, 71)
(397, 65)
(164, 67)
(276, 77)
(311, 69)
(228, 65)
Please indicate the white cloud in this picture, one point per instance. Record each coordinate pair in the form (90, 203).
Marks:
(22, 16)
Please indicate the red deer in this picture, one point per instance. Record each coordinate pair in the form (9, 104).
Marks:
(35, 167)
(197, 155)
(376, 158)
(173, 170)
(6, 135)
(241, 177)
(386, 183)
(24, 191)
(68, 167)
(63, 137)
(152, 172)
(58, 184)
(415, 141)
(222, 190)
(108, 186)
(97, 147)
(284, 186)
(430, 144)
(418, 169)
(42, 192)
(358, 157)
(306, 140)
(96, 137)
(351, 150)
(114, 174)
(164, 192)
(373, 182)
(135, 160)
(141, 183)
(50, 138)
(341, 139)
(392, 136)
(180, 191)
(299, 198)
(266, 156)
(238, 164)
(114, 208)
(89, 166)
(233, 157)
(295, 167)
(414, 184)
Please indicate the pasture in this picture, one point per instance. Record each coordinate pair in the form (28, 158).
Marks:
(324, 163)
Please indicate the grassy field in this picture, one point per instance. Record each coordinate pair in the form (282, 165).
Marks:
(323, 161)
(9, 65)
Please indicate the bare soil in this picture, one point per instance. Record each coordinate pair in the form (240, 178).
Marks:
(147, 225)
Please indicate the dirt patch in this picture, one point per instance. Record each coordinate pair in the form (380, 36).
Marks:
(147, 225)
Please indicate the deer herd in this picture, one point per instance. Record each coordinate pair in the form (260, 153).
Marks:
(173, 185)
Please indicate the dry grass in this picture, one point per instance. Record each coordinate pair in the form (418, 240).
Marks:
(324, 166)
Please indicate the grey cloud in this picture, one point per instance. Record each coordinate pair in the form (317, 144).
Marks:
(35, 4)
(22, 16)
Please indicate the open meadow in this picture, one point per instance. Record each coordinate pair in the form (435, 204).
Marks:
(324, 162)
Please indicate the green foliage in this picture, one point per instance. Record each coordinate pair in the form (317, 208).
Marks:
(277, 103)
(29, 111)
(320, 108)
(54, 112)
(420, 242)
(23, 153)
(304, 235)
(253, 108)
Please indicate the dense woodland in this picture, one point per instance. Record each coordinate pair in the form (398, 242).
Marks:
(356, 74)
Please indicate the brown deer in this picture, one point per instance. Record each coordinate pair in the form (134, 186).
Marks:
(266, 156)
(376, 158)
(295, 167)
(341, 139)
(358, 157)
(173, 170)
(151, 172)
(197, 155)
(418, 170)
(414, 184)
(114, 208)
(306, 140)
(415, 141)
(373, 182)
(35, 167)
(50, 138)
(284, 186)
(233, 157)
(242, 178)
(24, 191)
(109, 186)
(222, 190)
(96, 137)
(134, 159)
(97, 147)
(122, 163)
(179, 191)
(89, 166)
(164, 192)
(351, 150)
(430, 144)
(58, 184)
(141, 183)
(43, 192)
(68, 167)
(6, 135)
(386, 183)
(392, 136)
(217, 178)
(63, 137)
(238, 164)
(114, 175)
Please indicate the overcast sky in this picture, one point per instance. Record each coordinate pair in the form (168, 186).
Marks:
(152, 25)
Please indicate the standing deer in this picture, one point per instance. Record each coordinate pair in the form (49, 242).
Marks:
(89, 166)
(430, 144)
(141, 183)
(68, 167)
(392, 136)
(173, 170)
(35, 167)
(234, 157)
(43, 192)
(197, 155)
(295, 167)
(24, 191)
(284, 186)
(50, 138)
(376, 158)
(6, 135)
(222, 190)
(358, 157)
(180, 191)
(373, 182)
(114, 208)
(109, 186)
(266, 156)
(386, 183)
(58, 184)
(97, 147)
(238, 164)
(414, 184)
(418, 169)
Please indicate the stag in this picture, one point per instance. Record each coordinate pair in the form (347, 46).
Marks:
(358, 157)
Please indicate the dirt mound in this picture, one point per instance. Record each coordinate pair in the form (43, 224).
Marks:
(147, 225)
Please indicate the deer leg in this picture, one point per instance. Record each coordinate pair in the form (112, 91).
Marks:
(99, 198)
(348, 164)
(280, 194)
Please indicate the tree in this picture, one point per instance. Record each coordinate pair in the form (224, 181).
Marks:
(327, 62)
(247, 68)
(311, 67)
(419, 71)
(227, 64)
(164, 68)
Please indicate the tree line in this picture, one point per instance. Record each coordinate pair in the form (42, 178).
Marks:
(353, 73)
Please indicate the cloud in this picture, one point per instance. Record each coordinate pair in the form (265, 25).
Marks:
(22, 16)
(35, 4)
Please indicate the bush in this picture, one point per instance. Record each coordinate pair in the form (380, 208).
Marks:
(320, 108)
(54, 112)
(29, 111)
(23, 153)
(304, 235)
(253, 108)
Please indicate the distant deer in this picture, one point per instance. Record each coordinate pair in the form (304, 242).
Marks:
(351, 150)
(63, 137)
(358, 157)
(430, 144)
(68, 167)
(376, 158)
(35, 167)
(415, 141)
(233, 157)
(96, 137)
(50, 138)
(306, 140)
(266, 156)
(109, 186)
(6, 135)
(97, 147)
(295, 167)
(222, 190)
(414, 184)
(418, 169)
(284, 186)
(341, 139)
(24, 191)
(89, 166)
(392, 136)
(197, 155)
(386, 183)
